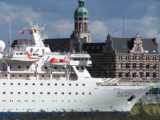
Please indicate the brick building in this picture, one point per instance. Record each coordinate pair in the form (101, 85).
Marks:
(135, 59)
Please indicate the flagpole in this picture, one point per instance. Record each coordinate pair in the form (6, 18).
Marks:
(9, 33)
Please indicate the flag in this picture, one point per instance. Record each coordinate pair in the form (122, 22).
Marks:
(9, 42)
(21, 32)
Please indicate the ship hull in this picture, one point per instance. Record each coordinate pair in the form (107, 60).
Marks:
(50, 95)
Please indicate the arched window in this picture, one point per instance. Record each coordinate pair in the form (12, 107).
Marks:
(147, 66)
(154, 66)
(147, 74)
(134, 74)
(154, 75)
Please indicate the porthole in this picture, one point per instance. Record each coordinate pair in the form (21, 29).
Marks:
(48, 84)
(33, 92)
(56, 93)
(41, 92)
(62, 93)
(83, 93)
(83, 84)
(89, 93)
(41, 84)
(55, 84)
(19, 93)
(69, 84)
(26, 92)
(4, 92)
(76, 84)
(33, 83)
(11, 92)
(4, 83)
(26, 83)
(69, 93)
(19, 83)
(76, 93)
(62, 84)
(11, 83)
(48, 93)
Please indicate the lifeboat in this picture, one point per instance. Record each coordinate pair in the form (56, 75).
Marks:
(55, 61)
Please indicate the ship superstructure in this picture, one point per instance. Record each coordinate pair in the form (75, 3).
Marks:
(32, 78)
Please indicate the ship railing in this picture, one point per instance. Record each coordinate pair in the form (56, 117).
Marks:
(127, 84)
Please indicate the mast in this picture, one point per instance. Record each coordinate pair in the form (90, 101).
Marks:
(9, 34)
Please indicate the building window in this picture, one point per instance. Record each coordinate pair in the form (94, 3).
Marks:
(134, 65)
(147, 66)
(127, 65)
(140, 57)
(120, 65)
(154, 75)
(140, 65)
(19, 67)
(134, 74)
(147, 74)
(127, 57)
(154, 66)
(134, 57)
(147, 57)
(140, 74)
(120, 74)
(120, 57)
(154, 58)
(127, 74)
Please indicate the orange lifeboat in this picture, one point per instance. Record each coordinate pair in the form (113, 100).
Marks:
(55, 61)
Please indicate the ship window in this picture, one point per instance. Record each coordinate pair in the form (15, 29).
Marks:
(83, 93)
(25, 53)
(63, 75)
(11, 92)
(27, 66)
(12, 75)
(11, 83)
(33, 83)
(41, 92)
(48, 84)
(42, 100)
(62, 93)
(62, 84)
(83, 84)
(21, 53)
(55, 84)
(55, 67)
(52, 100)
(17, 53)
(4, 92)
(41, 84)
(42, 75)
(19, 93)
(48, 93)
(3, 100)
(69, 84)
(5, 75)
(19, 66)
(26, 92)
(33, 92)
(56, 93)
(18, 100)
(69, 93)
(76, 93)
(45, 67)
(19, 83)
(76, 84)
(20, 75)
(4, 83)
(89, 93)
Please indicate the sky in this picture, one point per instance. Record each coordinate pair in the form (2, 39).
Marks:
(140, 16)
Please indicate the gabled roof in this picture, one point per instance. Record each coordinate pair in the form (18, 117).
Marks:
(122, 45)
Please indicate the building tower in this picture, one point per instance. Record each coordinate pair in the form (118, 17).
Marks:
(81, 17)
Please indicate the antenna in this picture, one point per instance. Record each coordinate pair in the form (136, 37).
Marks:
(123, 23)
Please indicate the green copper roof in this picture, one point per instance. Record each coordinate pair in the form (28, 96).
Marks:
(81, 12)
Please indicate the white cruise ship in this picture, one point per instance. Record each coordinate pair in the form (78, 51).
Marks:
(32, 78)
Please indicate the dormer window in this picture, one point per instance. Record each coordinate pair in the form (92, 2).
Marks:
(85, 13)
